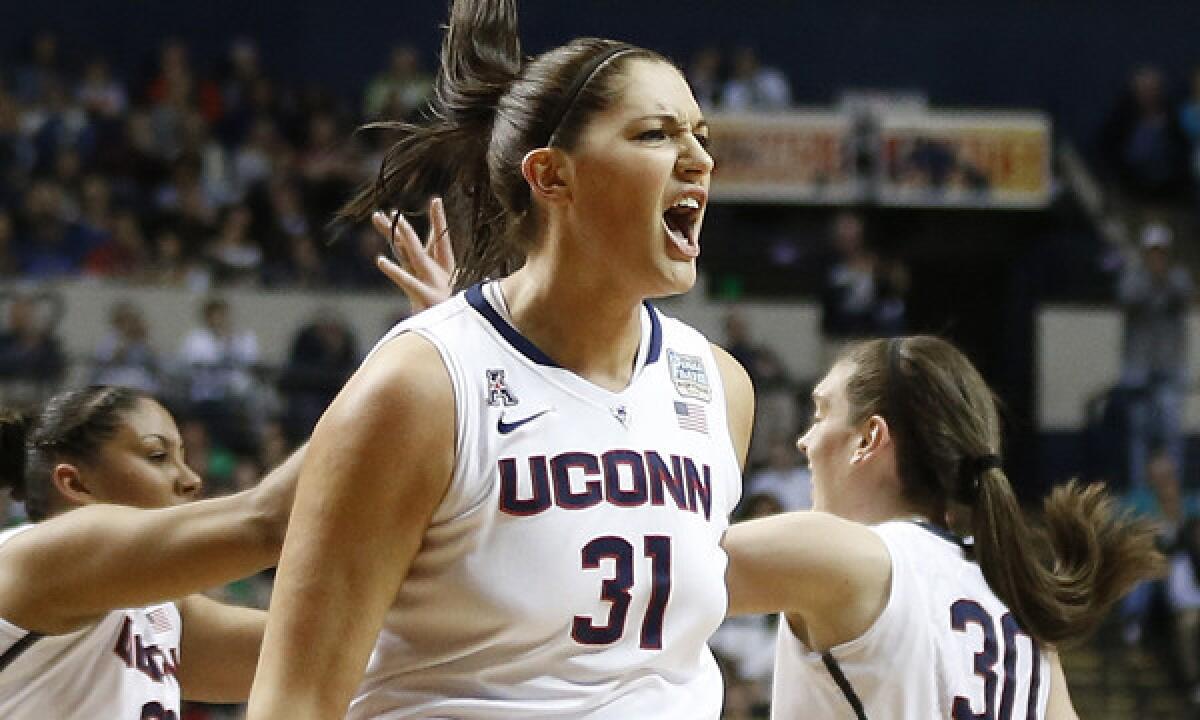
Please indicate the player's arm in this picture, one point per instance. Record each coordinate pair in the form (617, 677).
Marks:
(739, 401)
(73, 568)
(379, 463)
(834, 573)
(219, 649)
(1059, 706)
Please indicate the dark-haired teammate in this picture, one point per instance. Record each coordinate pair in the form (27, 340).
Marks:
(91, 625)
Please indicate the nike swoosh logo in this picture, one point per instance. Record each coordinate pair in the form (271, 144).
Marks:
(507, 427)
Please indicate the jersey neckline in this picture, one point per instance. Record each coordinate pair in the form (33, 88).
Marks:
(479, 301)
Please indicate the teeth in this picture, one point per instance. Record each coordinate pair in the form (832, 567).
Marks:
(688, 202)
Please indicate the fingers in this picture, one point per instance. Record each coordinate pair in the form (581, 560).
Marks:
(417, 292)
(439, 245)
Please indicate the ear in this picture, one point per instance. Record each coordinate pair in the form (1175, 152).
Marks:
(876, 435)
(68, 481)
(546, 171)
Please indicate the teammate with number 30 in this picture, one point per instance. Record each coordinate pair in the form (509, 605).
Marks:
(543, 538)
(887, 613)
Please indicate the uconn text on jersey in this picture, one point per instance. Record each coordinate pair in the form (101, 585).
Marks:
(624, 478)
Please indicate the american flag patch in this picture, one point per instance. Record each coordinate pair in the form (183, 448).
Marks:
(160, 620)
(691, 417)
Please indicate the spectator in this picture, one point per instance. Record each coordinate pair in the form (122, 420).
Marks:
(124, 255)
(324, 354)
(220, 362)
(299, 264)
(54, 125)
(261, 157)
(398, 92)
(738, 341)
(49, 245)
(1143, 142)
(775, 416)
(863, 294)
(32, 362)
(704, 75)
(1162, 499)
(17, 156)
(215, 169)
(173, 265)
(236, 258)
(42, 70)
(124, 356)
(100, 93)
(327, 167)
(754, 86)
(786, 478)
(1154, 293)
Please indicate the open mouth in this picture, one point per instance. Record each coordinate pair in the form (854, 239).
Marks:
(682, 223)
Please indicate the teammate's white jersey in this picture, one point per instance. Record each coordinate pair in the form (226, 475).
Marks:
(574, 568)
(121, 668)
(944, 647)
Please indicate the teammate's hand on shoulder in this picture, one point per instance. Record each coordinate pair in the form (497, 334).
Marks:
(422, 270)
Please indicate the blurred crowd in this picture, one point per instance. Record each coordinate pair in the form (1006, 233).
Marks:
(187, 177)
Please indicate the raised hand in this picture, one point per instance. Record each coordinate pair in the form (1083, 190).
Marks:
(422, 270)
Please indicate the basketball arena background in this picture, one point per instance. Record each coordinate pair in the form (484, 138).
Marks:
(991, 171)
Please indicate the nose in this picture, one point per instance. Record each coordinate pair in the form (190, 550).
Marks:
(802, 446)
(189, 484)
(695, 160)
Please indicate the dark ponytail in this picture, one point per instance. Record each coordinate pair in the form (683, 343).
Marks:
(14, 441)
(447, 153)
(1059, 576)
(490, 108)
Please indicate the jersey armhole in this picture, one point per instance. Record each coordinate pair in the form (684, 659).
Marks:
(887, 616)
(455, 491)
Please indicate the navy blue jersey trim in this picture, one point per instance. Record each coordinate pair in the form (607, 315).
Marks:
(17, 648)
(843, 683)
(508, 332)
(968, 547)
(941, 532)
(655, 335)
(522, 345)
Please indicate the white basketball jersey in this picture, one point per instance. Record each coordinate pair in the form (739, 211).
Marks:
(945, 647)
(574, 568)
(121, 668)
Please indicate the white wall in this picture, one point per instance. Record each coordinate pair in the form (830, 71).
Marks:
(1079, 354)
(791, 328)
(1078, 348)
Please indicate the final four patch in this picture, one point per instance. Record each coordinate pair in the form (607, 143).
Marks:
(689, 376)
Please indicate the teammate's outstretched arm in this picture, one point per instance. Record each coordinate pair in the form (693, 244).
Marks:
(72, 569)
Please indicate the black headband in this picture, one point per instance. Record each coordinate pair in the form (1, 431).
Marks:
(582, 78)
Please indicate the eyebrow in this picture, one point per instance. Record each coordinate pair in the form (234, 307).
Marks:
(161, 438)
(674, 119)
